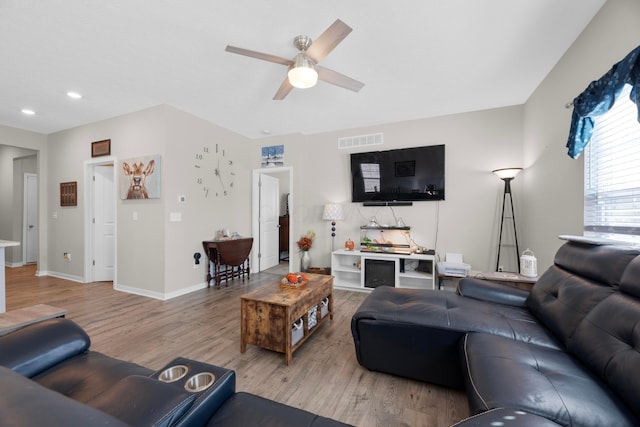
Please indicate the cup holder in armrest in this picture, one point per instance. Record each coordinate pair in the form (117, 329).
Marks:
(199, 382)
(210, 385)
(173, 373)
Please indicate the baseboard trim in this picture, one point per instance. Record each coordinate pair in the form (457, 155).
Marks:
(129, 289)
(14, 264)
(159, 295)
(61, 276)
(185, 291)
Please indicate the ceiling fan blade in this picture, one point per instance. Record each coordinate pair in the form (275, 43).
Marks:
(283, 91)
(328, 40)
(258, 55)
(335, 78)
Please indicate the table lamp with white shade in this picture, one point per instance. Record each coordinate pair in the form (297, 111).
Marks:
(333, 212)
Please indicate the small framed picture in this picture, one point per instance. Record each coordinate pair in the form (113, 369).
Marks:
(273, 156)
(69, 193)
(101, 148)
(140, 177)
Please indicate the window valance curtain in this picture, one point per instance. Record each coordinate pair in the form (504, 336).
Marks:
(599, 97)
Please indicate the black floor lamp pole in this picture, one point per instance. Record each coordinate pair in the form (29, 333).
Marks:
(333, 234)
(507, 190)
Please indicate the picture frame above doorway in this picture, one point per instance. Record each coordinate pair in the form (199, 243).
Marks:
(101, 148)
(272, 156)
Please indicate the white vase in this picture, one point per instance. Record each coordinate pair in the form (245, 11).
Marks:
(305, 261)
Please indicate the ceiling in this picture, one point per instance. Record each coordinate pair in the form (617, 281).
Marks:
(417, 58)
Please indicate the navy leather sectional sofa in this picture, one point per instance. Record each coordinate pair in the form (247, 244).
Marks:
(50, 377)
(567, 352)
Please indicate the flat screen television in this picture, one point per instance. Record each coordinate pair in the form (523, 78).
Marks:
(407, 174)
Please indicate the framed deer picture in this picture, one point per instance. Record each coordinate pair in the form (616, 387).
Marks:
(140, 178)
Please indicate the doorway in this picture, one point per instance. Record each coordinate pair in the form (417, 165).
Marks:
(261, 205)
(30, 219)
(100, 220)
(17, 164)
(268, 225)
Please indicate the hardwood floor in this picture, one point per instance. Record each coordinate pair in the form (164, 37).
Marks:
(324, 376)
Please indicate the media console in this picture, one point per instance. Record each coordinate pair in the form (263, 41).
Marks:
(364, 270)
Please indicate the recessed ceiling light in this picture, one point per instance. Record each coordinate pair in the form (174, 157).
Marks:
(28, 112)
(74, 95)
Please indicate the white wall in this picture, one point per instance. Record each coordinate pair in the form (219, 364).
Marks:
(132, 135)
(154, 254)
(553, 182)
(202, 216)
(476, 143)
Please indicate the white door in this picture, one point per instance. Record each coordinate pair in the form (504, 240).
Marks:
(269, 227)
(104, 224)
(30, 222)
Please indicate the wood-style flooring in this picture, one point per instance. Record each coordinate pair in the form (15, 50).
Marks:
(324, 376)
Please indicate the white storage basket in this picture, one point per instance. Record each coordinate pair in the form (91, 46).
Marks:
(297, 332)
(324, 307)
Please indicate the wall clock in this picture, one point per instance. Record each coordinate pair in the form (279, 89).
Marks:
(215, 173)
(204, 170)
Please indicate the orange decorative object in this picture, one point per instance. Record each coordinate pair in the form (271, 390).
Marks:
(349, 245)
(286, 285)
(294, 280)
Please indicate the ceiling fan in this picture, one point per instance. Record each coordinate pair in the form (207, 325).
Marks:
(304, 70)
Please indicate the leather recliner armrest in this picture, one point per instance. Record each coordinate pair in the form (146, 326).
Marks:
(37, 347)
(139, 400)
(485, 290)
(26, 403)
(207, 401)
(181, 402)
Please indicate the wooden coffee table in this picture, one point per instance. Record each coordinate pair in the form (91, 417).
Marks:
(268, 314)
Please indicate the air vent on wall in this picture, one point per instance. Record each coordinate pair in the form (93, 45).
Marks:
(360, 141)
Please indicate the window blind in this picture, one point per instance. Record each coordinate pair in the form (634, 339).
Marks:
(612, 173)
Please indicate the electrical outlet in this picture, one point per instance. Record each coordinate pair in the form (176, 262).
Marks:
(67, 256)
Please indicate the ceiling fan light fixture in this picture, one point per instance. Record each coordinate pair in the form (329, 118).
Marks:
(302, 73)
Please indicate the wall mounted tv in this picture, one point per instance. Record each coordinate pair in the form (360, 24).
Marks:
(408, 174)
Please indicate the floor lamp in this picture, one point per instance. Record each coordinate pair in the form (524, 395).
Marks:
(507, 175)
(333, 212)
